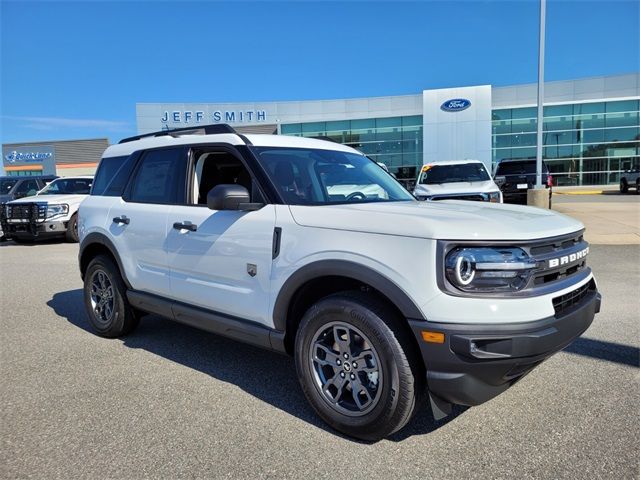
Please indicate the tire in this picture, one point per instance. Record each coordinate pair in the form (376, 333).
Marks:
(393, 383)
(637, 186)
(71, 234)
(624, 187)
(105, 299)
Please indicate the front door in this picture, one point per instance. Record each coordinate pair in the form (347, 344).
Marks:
(221, 260)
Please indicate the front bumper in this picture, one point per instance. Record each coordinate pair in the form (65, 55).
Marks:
(33, 229)
(477, 362)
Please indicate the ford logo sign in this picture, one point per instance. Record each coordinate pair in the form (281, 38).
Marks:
(455, 105)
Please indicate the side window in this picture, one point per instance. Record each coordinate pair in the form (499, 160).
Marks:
(27, 188)
(211, 168)
(157, 177)
(112, 176)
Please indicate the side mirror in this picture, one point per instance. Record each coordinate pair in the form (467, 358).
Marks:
(500, 181)
(230, 197)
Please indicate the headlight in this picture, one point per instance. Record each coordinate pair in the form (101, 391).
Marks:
(488, 269)
(494, 197)
(55, 210)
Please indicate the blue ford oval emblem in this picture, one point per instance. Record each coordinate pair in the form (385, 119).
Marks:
(455, 105)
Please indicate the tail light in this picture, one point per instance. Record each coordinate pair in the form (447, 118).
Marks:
(549, 180)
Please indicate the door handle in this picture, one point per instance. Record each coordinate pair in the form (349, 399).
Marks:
(185, 226)
(122, 219)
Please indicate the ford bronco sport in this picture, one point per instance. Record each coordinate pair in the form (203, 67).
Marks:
(380, 298)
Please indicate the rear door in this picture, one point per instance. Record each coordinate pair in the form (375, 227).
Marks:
(138, 222)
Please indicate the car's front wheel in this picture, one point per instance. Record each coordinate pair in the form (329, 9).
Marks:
(624, 187)
(358, 366)
(72, 229)
(105, 299)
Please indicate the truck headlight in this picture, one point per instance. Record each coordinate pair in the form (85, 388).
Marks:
(494, 197)
(55, 210)
(488, 269)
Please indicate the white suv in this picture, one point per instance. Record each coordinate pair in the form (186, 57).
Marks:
(52, 212)
(379, 297)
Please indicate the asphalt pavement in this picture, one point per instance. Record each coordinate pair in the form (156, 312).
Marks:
(170, 401)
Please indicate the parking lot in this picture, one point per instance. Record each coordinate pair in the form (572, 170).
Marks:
(171, 401)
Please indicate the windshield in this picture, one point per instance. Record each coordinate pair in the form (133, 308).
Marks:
(463, 172)
(77, 186)
(6, 185)
(319, 177)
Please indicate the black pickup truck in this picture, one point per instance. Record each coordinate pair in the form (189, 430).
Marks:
(515, 177)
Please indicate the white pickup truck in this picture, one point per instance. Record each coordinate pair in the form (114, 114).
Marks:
(456, 180)
(51, 212)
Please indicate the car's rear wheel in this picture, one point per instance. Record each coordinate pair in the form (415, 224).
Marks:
(358, 366)
(105, 299)
(72, 229)
(624, 187)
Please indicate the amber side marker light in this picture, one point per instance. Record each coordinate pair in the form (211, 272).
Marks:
(432, 337)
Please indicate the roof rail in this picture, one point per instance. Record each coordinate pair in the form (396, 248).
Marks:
(195, 130)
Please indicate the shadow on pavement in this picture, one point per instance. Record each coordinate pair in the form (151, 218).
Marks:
(269, 376)
(609, 351)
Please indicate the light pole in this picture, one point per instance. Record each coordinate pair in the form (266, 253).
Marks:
(543, 5)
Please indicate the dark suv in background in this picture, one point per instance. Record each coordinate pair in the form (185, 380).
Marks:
(515, 177)
(12, 188)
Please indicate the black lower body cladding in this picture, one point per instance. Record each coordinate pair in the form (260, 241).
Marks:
(478, 362)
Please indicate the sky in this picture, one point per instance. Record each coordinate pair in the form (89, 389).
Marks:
(72, 70)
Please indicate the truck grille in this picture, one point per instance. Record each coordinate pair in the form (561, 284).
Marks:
(476, 197)
(25, 212)
(568, 300)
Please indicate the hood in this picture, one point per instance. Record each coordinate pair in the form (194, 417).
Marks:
(5, 198)
(69, 199)
(444, 219)
(455, 188)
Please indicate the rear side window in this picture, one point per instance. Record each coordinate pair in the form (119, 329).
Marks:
(158, 176)
(111, 177)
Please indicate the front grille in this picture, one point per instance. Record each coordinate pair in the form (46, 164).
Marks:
(475, 197)
(568, 300)
(26, 212)
(567, 250)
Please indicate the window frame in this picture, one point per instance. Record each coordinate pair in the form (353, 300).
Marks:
(185, 200)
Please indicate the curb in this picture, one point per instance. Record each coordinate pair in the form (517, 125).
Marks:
(580, 192)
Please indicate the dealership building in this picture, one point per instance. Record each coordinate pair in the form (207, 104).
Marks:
(63, 158)
(591, 126)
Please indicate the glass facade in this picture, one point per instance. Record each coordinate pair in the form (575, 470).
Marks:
(394, 141)
(584, 143)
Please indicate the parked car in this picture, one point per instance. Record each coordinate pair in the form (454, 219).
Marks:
(50, 212)
(456, 180)
(630, 179)
(380, 298)
(12, 188)
(515, 177)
